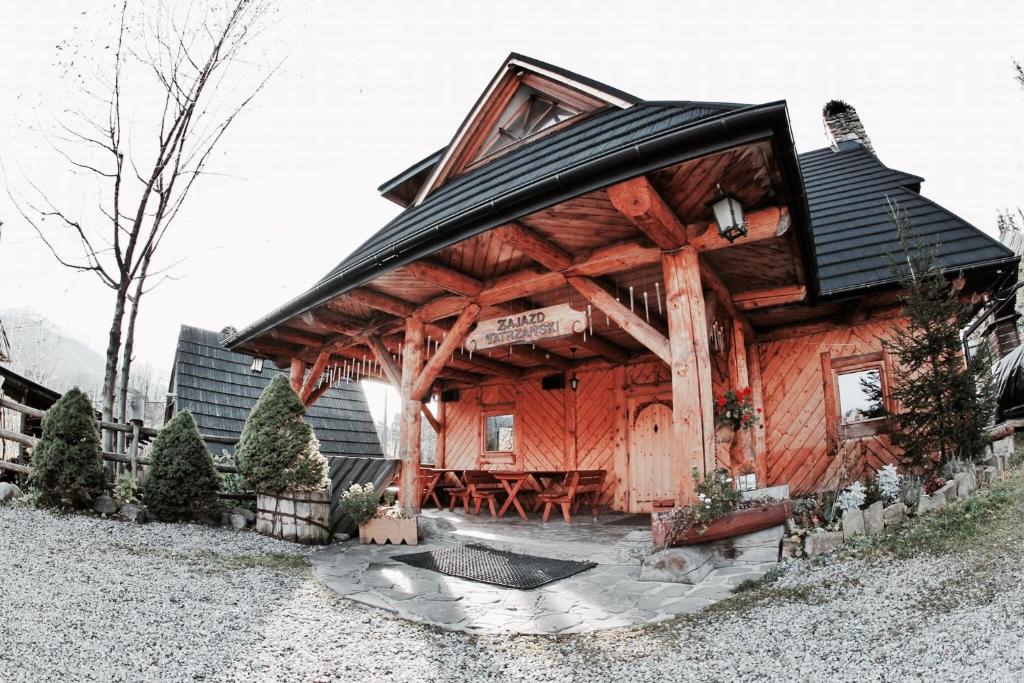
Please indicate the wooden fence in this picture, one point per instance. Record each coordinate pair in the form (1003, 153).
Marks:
(132, 457)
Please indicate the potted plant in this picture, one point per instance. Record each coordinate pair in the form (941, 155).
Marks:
(279, 456)
(734, 410)
(720, 512)
(378, 523)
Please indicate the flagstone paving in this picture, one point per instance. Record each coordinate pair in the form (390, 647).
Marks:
(608, 596)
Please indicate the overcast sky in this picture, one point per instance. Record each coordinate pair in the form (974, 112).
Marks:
(367, 88)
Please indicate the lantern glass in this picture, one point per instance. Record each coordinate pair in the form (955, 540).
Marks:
(729, 216)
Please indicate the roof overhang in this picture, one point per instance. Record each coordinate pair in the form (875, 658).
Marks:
(671, 146)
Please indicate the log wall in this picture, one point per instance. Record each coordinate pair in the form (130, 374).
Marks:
(795, 402)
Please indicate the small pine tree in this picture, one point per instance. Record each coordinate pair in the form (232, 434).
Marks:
(67, 469)
(945, 403)
(182, 481)
(278, 450)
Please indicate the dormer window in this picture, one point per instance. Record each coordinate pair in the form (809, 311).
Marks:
(527, 113)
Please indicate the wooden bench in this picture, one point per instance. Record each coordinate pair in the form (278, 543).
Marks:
(482, 486)
(579, 486)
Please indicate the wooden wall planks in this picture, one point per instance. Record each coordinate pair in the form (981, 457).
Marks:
(795, 409)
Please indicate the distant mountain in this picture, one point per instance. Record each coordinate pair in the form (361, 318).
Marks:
(50, 355)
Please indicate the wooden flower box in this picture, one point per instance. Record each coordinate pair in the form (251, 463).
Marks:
(297, 516)
(392, 530)
(737, 523)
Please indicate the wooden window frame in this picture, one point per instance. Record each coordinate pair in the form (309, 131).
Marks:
(835, 429)
(499, 457)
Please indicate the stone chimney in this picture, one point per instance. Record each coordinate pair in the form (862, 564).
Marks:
(842, 123)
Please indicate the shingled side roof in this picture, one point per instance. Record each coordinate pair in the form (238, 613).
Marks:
(849, 191)
(219, 388)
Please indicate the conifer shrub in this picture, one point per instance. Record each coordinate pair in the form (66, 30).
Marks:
(182, 481)
(278, 450)
(67, 469)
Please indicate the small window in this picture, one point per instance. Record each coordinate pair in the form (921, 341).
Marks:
(527, 113)
(499, 434)
(860, 395)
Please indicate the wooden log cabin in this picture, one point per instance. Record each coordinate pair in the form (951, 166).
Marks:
(578, 273)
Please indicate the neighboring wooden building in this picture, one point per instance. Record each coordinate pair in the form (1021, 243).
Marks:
(560, 195)
(220, 388)
(29, 393)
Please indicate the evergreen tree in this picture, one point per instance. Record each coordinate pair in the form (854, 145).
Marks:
(278, 450)
(67, 469)
(945, 403)
(182, 481)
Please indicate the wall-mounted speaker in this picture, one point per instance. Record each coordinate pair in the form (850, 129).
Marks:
(552, 382)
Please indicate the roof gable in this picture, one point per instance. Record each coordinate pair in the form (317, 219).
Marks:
(524, 98)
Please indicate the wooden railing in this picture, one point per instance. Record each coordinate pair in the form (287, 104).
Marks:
(131, 458)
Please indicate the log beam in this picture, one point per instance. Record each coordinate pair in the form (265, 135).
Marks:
(409, 432)
(764, 298)
(631, 323)
(452, 341)
(637, 200)
(764, 224)
(381, 302)
(528, 242)
(444, 277)
(690, 362)
(312, 379)
(431, 420)
(714, 283)
(298, 372)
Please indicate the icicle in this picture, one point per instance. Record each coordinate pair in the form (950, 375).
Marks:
(647, 309)
(590, 319)
(471, 353)
(657, 295)
(631, 298)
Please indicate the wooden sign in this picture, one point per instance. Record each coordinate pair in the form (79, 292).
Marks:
(527, 327)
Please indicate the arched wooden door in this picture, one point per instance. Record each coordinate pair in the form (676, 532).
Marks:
(650, 458)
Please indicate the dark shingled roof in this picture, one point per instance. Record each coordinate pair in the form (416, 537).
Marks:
(848, 194)
(608, 130)
(219, 388)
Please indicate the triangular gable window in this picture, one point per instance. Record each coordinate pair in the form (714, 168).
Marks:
(527, 113)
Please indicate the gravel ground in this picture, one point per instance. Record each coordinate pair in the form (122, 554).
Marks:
(87, 599)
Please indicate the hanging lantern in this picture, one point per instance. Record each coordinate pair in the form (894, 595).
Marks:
(574, 382)
(729, 215)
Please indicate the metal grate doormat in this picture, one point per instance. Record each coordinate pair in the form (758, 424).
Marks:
(496, 567)
(630, 520)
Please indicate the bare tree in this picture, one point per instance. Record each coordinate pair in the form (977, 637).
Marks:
(144, 126)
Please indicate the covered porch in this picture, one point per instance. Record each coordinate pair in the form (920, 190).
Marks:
(590, 334)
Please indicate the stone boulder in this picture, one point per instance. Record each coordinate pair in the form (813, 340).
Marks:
(930, 503)
(104, 505)
(966, 484)
(873, 520)
(249, 515)
(987, 475)
(754, 548)
(792, 547)
(9, 492)
(434, 527)
(238, 522)
(822, 542)
(948, 492)
(780, 492)
(853, 524)
(687, 564)
(135, 513)
(894, 514)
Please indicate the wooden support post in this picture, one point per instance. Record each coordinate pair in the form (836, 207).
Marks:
(757, 396)
(298, 371)
(692, 408)
(619, 446)
(441, 447)
(409, 434)
(571, 457)
(739, 378)
(133, 450)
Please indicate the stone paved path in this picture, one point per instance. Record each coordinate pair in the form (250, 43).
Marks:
(607, 596)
